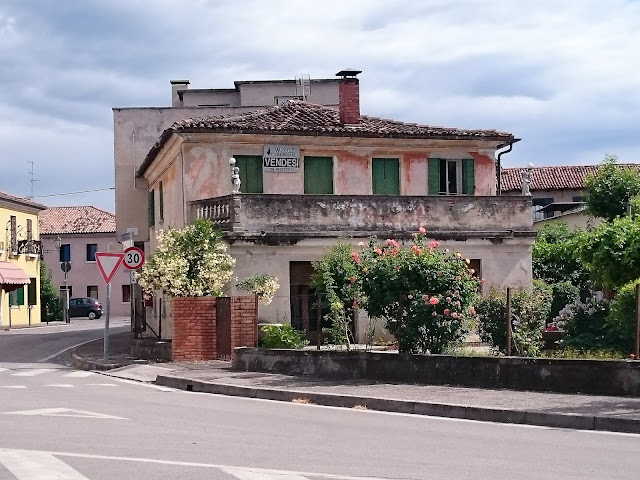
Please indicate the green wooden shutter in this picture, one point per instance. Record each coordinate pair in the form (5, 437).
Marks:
(21, 296)
(32, 297)
(385, 173)
(468, 176)
(151, 209)
(161, 199)
(250, 167)
(318, 175)
(434, 176)
(377, 176)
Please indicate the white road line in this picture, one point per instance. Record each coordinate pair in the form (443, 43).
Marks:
(79, 374)
(29, 465)
(13, 386)
(61, 385)
(273, 473)
(245, 474)
(46, 359)
(65, 412)
(33, 372)
(2, 369)
(102, 384)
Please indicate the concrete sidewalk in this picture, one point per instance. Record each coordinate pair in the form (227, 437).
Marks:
(588, 412)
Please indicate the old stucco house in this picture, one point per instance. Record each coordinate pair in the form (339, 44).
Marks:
(313, 174)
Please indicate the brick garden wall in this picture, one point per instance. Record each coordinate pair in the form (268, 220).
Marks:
(244, 322)
(194, 326)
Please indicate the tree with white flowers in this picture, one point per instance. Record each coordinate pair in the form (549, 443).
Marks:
(188, 262)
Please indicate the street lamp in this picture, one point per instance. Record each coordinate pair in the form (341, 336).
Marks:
(65, 266)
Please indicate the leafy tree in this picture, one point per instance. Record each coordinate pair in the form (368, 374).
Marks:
(423, 293)
(611, 188)
(188, 262)
(556, 256)
(612, 252)
(337, 277)
(49, 300)
(262, 285)
(621, 318)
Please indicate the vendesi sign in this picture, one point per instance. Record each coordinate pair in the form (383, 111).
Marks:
(281, 158)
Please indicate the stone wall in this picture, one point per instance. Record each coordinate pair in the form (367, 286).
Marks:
(598, 377)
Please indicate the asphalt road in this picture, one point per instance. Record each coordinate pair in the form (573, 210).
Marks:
(84, 425)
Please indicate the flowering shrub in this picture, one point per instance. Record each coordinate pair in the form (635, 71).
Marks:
(188, 262)
(530, 309)
(264, 286)
(422, 292)
(585, 326)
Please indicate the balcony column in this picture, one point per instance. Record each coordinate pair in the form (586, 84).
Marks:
(235, 213)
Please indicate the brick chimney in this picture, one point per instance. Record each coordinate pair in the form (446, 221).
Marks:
(349, 96)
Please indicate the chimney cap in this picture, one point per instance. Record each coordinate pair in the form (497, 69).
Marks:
(179, 82)
(348, 72)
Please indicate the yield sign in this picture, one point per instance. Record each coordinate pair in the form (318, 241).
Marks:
(108, 264)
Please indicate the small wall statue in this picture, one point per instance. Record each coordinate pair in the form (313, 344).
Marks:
(235, 180)
(526, 183)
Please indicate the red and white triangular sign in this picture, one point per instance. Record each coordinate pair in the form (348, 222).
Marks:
(108, 264)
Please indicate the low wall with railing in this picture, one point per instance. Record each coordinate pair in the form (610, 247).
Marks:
(255, 213)
(599, 377)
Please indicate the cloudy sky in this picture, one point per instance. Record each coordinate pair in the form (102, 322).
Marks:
(563, 76)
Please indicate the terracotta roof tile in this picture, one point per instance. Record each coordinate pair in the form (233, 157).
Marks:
(552, 178)
(66, 220)
(296, 117)
(21, 200)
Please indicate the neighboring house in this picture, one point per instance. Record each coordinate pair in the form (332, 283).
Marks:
(20, 251)
(557, 192)
(312, 175)
(83, 231)
(136, 129)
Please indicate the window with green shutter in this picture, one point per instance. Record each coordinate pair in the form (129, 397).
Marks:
(16, 297)
(385, 176)
(451, 176)
(250, 169)
(151, 209)
(318, 175)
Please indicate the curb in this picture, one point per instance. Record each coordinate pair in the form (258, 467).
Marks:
(484, 414)
(79, 362)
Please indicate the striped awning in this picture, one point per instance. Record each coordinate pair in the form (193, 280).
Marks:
(12, 275)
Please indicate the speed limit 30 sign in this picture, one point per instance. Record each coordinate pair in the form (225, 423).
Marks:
(133, 258)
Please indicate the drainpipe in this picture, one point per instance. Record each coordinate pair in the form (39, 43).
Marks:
(499, 192)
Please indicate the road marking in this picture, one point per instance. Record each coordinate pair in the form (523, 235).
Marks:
(60, 352)
(33, 372)
(103, 384)
(79, 374)
(2, 369)
(30, 465)
(13, 386)
(251, 474)
(64, 412)
(272, 474)
(61, 385)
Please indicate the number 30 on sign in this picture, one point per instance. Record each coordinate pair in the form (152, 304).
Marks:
(133, 258)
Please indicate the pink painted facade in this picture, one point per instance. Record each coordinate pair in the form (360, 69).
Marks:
(84, 275)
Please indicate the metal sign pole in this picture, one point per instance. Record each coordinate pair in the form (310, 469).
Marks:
(106, 323)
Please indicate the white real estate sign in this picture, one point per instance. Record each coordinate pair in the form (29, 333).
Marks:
(281, 158)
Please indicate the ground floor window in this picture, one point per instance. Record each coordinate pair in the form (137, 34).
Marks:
(32, 296)
(475, 265)
(92, 291)
(16, 297)
(126, 293)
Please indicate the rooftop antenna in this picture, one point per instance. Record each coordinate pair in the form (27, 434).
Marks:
(32, 180)
(303, 86)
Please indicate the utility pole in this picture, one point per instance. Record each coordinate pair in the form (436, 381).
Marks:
(32, 180)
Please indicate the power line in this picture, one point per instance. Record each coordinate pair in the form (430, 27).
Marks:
(75, 193)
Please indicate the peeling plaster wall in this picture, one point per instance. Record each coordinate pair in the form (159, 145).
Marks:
(414, 178)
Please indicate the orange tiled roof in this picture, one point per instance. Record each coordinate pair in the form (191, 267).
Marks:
(66, 220)
(558, 177)
(21, 200)
(296, 117)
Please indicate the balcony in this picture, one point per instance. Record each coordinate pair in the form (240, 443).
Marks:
(300, 216)
(30, 248)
